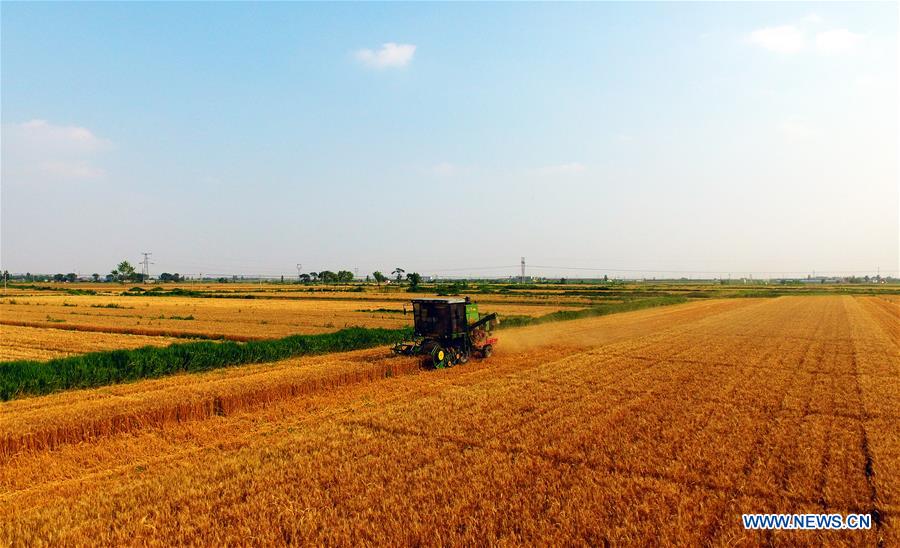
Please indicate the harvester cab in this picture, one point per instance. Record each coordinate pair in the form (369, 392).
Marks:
(448, 332)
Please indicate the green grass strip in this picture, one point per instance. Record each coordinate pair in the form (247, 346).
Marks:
(32, 378)
(599, 310)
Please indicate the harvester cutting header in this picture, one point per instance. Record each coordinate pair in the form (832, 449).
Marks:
(449, 331)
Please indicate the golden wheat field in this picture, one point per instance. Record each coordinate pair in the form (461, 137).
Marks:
(653, 427)
(31, 343)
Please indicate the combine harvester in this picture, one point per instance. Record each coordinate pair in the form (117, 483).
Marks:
(448, 332)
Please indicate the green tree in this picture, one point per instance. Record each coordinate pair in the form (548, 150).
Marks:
(379, 277)
(59, 277)
(96, 277)
(71, 277)
(344, 276)
(124, 272)
(398, 273)
(414, 280)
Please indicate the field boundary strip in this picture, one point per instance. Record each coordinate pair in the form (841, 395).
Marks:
(96, 369)
(592, 311)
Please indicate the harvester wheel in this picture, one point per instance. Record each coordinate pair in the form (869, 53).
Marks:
(464, 356)
(435, 356)
(487, 350)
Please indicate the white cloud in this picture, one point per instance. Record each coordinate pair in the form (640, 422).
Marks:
(390, 55)
(572, 168)
(38, 151)
(783, 39)
(837, 41)
(790, 39)
(44, 133)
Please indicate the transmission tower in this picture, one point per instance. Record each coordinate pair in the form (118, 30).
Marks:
(523, 270)
(299, 268)
(145, 269)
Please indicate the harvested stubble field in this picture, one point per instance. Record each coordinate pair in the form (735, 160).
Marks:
(234, 319)
(655, 427)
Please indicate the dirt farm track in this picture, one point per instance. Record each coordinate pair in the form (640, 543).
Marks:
(660, 426)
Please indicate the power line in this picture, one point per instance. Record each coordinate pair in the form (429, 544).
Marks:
(644, 270)
(504, 267)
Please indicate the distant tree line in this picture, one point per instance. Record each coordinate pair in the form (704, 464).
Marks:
(345, 276)
(166, 277)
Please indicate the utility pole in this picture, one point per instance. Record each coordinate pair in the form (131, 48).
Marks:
(145, 270)
(523, 270)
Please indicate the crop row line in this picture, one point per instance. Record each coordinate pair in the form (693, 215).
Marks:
(618, 470)
(727, 365)
(54, 436)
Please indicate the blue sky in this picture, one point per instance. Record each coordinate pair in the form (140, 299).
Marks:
(245, 138)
